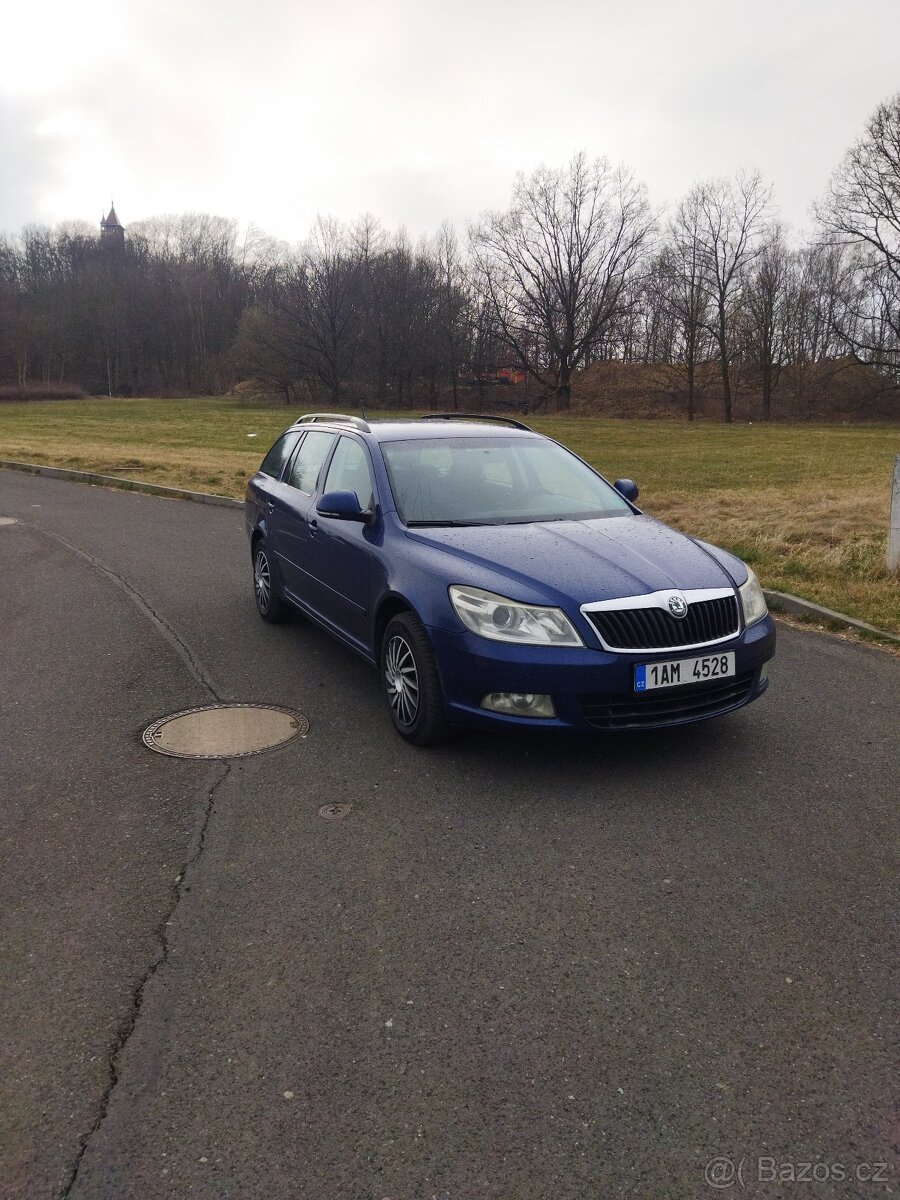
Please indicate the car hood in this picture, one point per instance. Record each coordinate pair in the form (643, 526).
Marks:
(576, 560)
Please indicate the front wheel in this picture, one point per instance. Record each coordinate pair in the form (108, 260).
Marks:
(411, 682)
(270, 604)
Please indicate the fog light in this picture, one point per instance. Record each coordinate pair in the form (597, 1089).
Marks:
(520, 704)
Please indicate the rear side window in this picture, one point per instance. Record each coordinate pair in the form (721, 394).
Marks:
(274, 461)
(308, 460)
(349, 472)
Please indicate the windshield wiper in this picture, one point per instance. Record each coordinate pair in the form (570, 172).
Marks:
(445, 524)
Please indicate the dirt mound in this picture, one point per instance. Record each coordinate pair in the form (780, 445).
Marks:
(831, 390)
(247, 387)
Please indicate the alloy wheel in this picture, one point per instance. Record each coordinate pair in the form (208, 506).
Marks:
(262, 580)
(402, 680)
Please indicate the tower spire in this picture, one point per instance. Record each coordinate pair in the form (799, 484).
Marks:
(112, 231)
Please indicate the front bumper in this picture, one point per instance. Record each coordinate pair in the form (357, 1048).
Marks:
(592, 689)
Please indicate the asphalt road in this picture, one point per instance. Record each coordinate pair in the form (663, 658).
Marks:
(520, 968)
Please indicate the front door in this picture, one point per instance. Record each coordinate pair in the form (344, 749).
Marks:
(341, 553)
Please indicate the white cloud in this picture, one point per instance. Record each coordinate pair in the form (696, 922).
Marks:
(415, 111)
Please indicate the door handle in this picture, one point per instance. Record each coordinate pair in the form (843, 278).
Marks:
(313, 526)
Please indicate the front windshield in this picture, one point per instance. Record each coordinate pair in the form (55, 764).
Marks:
(494, 481)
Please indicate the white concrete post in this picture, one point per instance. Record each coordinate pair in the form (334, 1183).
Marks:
(893, 555)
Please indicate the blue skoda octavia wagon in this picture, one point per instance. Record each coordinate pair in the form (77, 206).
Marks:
(497, 580)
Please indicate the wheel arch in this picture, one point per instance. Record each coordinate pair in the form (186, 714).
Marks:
(389, 608)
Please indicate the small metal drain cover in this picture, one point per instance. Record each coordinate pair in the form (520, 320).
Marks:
(225, 730)
(334, 812)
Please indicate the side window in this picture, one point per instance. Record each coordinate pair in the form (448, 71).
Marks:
(279, 454)
(349, 472)
(308, 461)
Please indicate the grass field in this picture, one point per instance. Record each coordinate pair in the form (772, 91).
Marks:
(807, 506)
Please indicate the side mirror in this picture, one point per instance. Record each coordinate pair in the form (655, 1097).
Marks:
(627, 488)
(343, 506)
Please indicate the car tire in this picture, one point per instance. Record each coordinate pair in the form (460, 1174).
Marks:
(411, 683)
(270, 604)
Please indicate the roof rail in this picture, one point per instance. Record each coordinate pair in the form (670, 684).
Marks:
(336, 418)
(458, 416)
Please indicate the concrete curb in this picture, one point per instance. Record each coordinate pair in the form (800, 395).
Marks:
(128, 485)
(778, 601)
(783, 602)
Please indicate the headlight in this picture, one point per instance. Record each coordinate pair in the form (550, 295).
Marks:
(503, 620)
(752, 599)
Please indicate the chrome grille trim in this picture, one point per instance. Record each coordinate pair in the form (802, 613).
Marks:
(612, 624)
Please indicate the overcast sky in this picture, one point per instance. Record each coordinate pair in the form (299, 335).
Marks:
(274, 110)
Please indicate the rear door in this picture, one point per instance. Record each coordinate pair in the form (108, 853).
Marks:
(290, 502)
(260, 487)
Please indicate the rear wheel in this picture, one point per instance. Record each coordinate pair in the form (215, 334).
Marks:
(270, 604)
(411, 682)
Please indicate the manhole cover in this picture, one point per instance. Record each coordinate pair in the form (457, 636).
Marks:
(334, 812)
(225, 730)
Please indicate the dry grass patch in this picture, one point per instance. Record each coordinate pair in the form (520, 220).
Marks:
(830, 549)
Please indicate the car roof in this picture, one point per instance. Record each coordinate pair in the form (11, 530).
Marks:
(396, 431)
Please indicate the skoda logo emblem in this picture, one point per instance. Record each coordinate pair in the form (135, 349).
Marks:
(677, 605)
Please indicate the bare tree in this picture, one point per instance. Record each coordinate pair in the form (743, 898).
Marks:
(684, 267)
(730, 216)
(656, 328)
(332, 272)
(862, 210)
(570, 274)
(453, 302)
(265, 349)
(819, 291)
(558, 261)
(767, 314)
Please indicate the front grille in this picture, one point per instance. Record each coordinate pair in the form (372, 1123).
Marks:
(656, 629)
(644, 710)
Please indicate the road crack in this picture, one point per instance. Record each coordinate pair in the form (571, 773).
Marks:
(181, 648)
(182, 881)
(129, 1024)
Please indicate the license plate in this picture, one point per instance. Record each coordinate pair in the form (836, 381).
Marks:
(676, 672)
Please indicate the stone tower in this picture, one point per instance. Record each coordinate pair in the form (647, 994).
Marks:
(112, 231)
